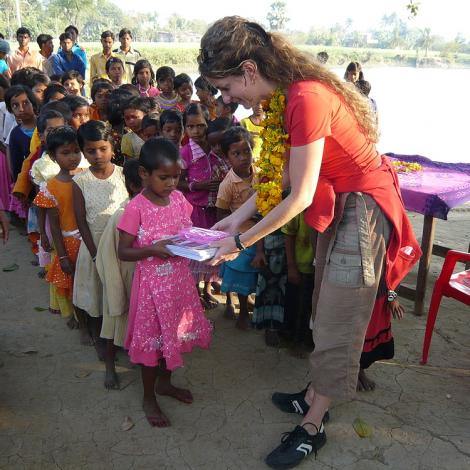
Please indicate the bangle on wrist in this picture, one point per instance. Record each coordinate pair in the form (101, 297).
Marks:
(238, 243)
(63, 257)
(191, 186)
(391, 295)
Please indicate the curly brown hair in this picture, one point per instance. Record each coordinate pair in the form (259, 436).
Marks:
(232, 40)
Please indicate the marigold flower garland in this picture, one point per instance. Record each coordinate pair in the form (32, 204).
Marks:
(271, 161)
(406, 167)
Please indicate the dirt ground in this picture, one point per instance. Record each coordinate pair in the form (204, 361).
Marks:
(56, 414)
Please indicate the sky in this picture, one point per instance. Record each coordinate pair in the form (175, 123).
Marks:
(444, 17)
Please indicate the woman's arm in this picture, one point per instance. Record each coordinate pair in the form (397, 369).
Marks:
(304, 169)
(80, 215)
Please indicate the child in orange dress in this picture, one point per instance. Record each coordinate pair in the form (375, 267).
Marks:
(56, 197)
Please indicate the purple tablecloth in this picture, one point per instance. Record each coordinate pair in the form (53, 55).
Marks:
(437, 188)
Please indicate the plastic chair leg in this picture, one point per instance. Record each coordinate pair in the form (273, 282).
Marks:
(433, 309)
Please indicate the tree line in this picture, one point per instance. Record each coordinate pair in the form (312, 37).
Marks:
(94, 16)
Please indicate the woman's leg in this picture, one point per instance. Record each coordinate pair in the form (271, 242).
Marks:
(152, 411)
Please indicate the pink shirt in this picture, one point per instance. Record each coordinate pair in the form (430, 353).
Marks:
(17, 60)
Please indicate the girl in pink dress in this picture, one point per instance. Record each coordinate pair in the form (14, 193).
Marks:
(200, 180)
(165, 317)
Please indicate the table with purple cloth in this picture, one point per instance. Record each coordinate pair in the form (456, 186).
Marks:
(433, 192)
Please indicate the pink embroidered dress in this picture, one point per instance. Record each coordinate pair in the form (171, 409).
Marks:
(166, 318)
(202, 167)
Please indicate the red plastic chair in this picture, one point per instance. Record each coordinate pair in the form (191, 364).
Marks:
(456, 286)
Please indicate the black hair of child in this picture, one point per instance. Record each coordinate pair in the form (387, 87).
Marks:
(4, 82)
(43, 117)
(116, 102)
(107, 34)
(111, 61)
(100, 84)
(130, 171)
(232, 106)
(23, 30)
(143, 64)
(62, 135)
(18, 90)
(219, 124)
(233, 135)
(40, 77)
(71, 75)
(363, 86)
(194, 109)
(52, 89)
(141, 103)
(170, 116)
(125, 31)
(74, 102)
(71, 27)
(61, 107)
(149, 121)
(181, 79)
(43, 38)
(55, 77)
(156, 151)
(24, 77)
(204, 85)
(93, 131)
(65, 36)
(354, 67)
(164, 72)
(132, 89)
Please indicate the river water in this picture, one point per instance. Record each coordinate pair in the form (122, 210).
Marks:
(421, 111)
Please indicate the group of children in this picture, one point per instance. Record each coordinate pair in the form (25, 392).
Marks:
(102, 185)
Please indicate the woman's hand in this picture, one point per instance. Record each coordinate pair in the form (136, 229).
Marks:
(228, 225)
(227, 251)
(160, 250)
(397, 311)
(293, 275)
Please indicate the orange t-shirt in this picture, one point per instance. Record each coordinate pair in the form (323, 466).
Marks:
(58, 194)
(313, 112)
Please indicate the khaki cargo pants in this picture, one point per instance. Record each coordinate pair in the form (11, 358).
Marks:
(350, 258)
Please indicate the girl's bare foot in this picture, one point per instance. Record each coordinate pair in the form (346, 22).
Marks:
(54, 311)
(364, 383)
(111, 379)
(243, 323)
(154, 414)
(168, 389)
(85, 337)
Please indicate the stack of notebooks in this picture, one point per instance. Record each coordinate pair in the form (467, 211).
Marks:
(194, 243)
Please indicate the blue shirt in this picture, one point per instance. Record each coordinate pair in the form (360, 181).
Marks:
(3, 66)
(81, 53)
(60, 64)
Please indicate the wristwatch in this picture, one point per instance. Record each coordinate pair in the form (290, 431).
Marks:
(238, 242)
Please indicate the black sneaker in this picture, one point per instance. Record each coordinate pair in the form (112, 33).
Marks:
(294, 447)
(295, 403)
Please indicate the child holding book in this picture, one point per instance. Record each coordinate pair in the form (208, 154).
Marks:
(165, 317)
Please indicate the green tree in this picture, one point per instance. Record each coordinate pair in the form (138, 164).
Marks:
(277, 16)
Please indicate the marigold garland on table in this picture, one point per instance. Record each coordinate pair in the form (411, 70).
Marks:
(271, 160)
(406, 167)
